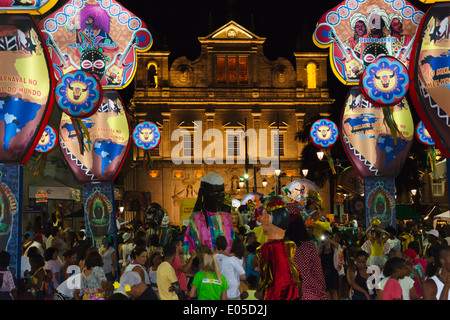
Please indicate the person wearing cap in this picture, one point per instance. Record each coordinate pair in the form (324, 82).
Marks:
(208, 221)
(433, 239)
(132, 283)
(276, 256)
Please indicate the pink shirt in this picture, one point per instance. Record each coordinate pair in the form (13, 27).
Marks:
(392, 290)
(180, 275)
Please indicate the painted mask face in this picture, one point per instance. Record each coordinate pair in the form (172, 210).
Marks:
(94, 62)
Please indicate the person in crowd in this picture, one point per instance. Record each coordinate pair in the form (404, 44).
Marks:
(135, 288)
(26, 241)
(209, 283)
(166, 278)
(69, 265)
(395, 269)
(25, 261)
(250, 238)
(138, 263)
(37, 242)
(93, 280)
(36, 277)
(394, 242)
(155, 261)
(182, 269)
(416, 271)
(229, 266)
(307, 261)
(252, 263)
(139, 239)
(358, 277)
(437, 286)
(378, 238)
(433, 240)
(326, 253)
(53, 234)
(417, 250)
(52, 264)
(108, 254)
(407, 284)
(432, 258)
(8, 290)
(125, 249)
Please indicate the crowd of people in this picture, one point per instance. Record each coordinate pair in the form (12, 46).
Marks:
(335, 261)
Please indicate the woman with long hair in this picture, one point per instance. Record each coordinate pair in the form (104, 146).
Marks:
(209, 283)
(307, 261)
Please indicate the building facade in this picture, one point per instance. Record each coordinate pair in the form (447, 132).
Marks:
(206, 108)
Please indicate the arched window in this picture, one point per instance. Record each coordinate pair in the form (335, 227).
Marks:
(311, 75)
(152, 74)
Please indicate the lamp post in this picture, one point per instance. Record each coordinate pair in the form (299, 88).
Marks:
(277, 181)
(305, 172)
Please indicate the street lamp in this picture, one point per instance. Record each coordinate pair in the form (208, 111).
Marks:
(414, 192)
(277, 172)
(305, 172)
(241, 182)
(264, 182)
(320, 155)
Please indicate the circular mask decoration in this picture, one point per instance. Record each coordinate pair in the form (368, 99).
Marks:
(423, 135)
(385, 82)
(146, 135)
(48, 140)
(324, 133)
(79, 94)
(374, 51)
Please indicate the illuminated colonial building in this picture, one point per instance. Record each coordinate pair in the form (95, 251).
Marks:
(232, 88)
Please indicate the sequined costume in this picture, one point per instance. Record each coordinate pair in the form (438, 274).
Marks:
(279, 277)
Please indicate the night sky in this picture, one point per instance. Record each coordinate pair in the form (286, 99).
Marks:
(288, 26)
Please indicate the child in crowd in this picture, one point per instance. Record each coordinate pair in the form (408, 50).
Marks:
(394, 268)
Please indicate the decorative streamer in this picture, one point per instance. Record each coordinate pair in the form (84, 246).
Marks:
(425, 138)
(330, 160)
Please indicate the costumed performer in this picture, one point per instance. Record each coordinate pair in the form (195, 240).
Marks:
(315, 207)
(207, 222)
(279, 277)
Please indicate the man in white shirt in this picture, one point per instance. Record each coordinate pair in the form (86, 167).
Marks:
(231, 267)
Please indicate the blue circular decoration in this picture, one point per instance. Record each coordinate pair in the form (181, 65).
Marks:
(48, 140)
(146, 135)
(324, 133)
(385, 82)
(79, 94)
(423, 135)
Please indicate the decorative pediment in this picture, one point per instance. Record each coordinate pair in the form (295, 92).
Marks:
(232, 31)
(233, 125)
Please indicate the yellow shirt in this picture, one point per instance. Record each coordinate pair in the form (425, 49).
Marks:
(377, 249)
(165, 276)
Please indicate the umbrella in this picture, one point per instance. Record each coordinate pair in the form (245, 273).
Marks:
(403, 212)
